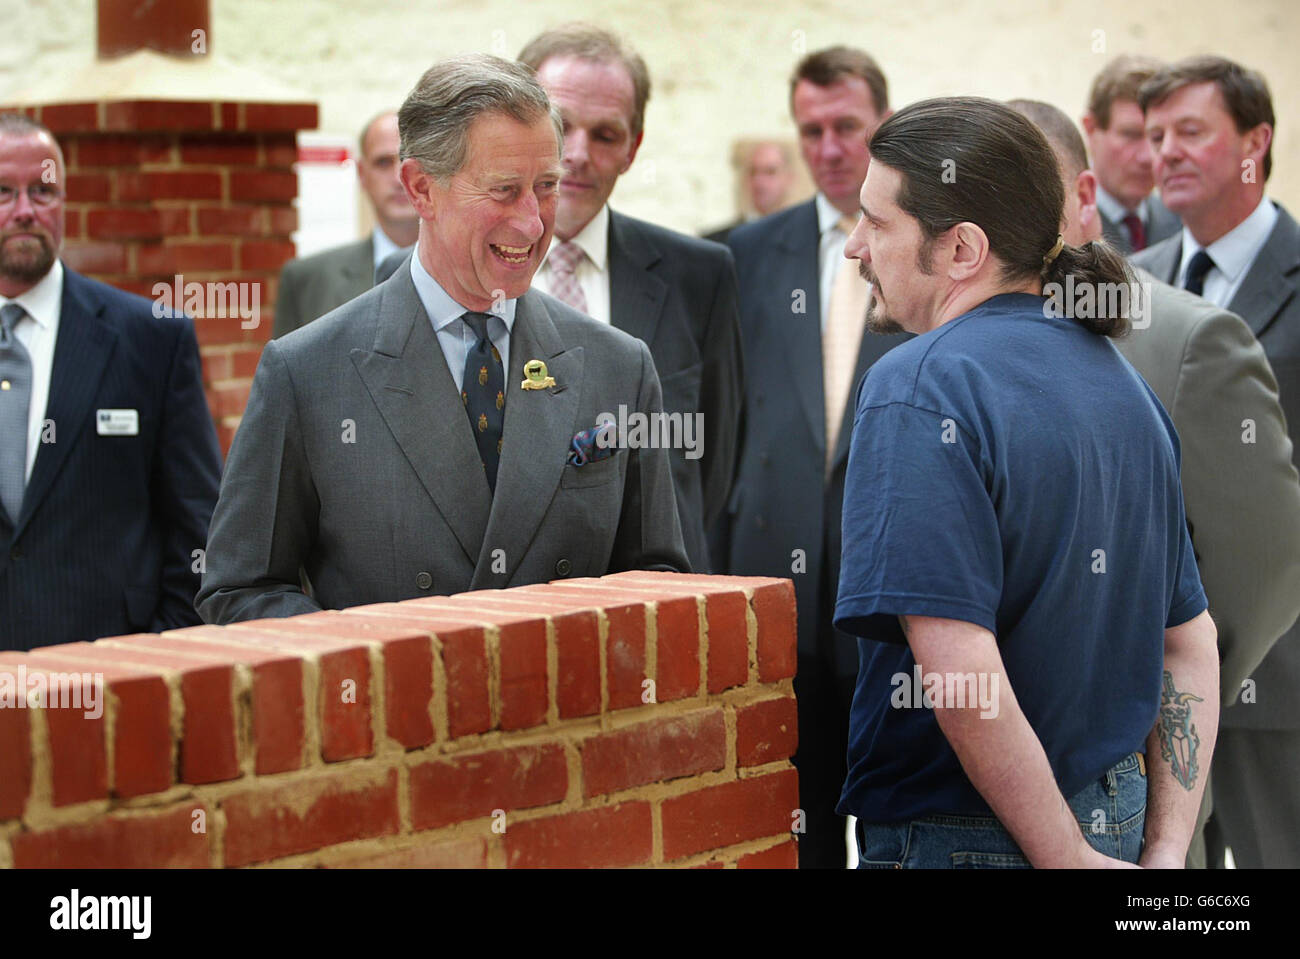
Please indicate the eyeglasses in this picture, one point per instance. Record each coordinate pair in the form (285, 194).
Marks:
(41, 194)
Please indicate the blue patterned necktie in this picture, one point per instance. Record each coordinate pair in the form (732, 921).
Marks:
(15, 397)
(483, 391)
(1197, 267)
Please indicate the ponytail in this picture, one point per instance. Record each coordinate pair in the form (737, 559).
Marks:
(1096, 265)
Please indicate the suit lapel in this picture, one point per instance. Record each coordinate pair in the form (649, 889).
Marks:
(1165, 258)
(1269, 285)
(873, 347)
(538, 427)
(407, 377)
(636, 295)
(798, 335)
(358, 272)
(82, 351)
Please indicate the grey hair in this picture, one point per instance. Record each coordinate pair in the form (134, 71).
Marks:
(435, 118)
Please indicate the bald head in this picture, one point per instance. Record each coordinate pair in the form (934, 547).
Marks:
(1080, 221)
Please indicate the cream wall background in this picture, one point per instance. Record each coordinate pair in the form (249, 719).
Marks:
(719, 67)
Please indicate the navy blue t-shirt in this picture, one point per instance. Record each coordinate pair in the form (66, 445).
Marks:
(1013, 471)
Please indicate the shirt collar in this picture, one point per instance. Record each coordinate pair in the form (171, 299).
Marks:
(1233, 252)
(828, 218)
(381, 245)
(43, 300)
(439, 305)
(592, 239)
(1115, 211)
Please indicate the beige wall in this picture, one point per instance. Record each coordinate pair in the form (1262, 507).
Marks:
(719, 66)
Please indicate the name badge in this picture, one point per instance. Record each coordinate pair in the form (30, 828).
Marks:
(117, 422)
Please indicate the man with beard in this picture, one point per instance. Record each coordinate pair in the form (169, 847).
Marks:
(109, 462)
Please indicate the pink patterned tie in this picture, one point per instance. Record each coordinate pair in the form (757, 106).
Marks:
(564, 259)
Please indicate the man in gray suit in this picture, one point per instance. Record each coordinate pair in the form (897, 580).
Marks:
(1210, 123)
(311, 286)
(1132, 216)
(1240, 489)
(435, 434)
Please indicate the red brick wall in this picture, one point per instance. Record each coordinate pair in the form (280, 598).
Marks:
(203, 189)
(501, 728)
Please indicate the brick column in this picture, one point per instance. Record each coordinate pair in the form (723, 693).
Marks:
(200, 189)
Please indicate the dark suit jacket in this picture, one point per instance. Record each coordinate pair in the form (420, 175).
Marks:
(1161, 224)
(1269, 301)
(355, 465)
(722, 233)
(677, 294)
(783, 518)
(107, 539)
(313, 285)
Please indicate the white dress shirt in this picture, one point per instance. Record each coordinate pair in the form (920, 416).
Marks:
(592, 273)
(37, 331)
(454, 334)
(830, 252)
(1233, 253)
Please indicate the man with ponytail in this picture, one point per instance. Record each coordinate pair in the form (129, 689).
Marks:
(1038, 681)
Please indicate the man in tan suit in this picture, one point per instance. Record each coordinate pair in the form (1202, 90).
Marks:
(1241, 491)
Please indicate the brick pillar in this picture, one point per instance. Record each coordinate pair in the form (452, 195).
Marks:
(203, 189)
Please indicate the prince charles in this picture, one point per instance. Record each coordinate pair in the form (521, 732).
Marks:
(396, 447)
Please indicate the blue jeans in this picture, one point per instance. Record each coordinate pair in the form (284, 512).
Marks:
(1111, 812)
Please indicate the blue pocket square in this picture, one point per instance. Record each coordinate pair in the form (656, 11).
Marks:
(584, 448)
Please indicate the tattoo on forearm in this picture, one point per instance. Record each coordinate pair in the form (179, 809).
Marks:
(1178, 739)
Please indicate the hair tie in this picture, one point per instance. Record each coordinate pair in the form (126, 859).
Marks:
(1053, 253)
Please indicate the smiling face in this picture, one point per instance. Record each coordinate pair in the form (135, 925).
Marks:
(1121, 157)
(597, 102)
(1201, 159)
(484, 233)
(31, 234)
(894, 257)
(835, 122)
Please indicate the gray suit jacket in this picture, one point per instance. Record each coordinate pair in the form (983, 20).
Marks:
(1269, 301)
(677, 294)
(782, 500)
(313, 285)
(355, 466)
(1161, 224)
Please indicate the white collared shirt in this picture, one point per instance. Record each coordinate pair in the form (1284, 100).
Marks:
(1233, 253)
(381, 245)
(592, 272)
(1116, 211)
(454, 335)
(37, 332)
(830, 252)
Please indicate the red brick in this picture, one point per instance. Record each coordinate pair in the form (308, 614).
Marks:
(226, 436)
(625, 641)
(123, 224)
(346, 732)
(133, 115)
(63, 118)
(280, 150)
(245, 360)
(173, 258)
(280, 116)
(208, 749)
(95, 258)
(284, 220)
(472, 787)
(219, 149)
(219, 330)
(298, 817)
(783, 856)
(777, 631)
(216, 363)
(455, 854)
(137, 187)
(408, 669)
(678, 674)
(122, 150)
(719, 816)
(88, 187)
(610, 836)
(276, 697)
(766, 731)
(74, 224)
(577, 645)
(265, 254)
(15, 762)
(78, 758)
(127, 841)
(176, 220)
(656, 751)
(232, 220)
(230, 399)
(728, 640)
(230, 116)
(263, 186)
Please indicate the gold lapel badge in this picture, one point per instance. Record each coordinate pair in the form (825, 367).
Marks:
(535, 376)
